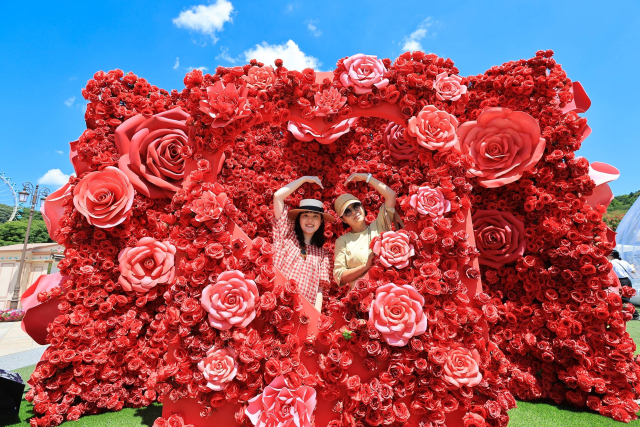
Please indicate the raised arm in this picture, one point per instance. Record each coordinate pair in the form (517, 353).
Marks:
(384, 190)
(280, 195)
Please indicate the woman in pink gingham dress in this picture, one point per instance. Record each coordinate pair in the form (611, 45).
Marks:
(298, 239)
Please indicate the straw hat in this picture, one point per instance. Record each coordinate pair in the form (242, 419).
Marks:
(343, 201)
(311, 205)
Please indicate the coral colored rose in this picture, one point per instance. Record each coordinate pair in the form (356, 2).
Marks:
(280, 406)
(305, 133)
(430, 201)
(364, 72)
(503, 143)
(434, 129)
(397, 313)
(53, 209)
(401, 147)
(209, 206)
(328, 102)
(260, 77)
(231, 301)
(448, 88)
(394, 249)
(104, 197)
(147, 264)
(462, 367)
(150, 152)
(225, 103)
(219, 367)
(499, 236)
(471, 419)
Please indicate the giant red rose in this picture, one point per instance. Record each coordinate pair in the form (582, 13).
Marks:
(146, 265)
(281, 406)
(224, 104)
(231, 301)
(398, 314)
(500, 237)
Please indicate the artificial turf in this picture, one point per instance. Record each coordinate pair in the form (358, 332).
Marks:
(527, 414)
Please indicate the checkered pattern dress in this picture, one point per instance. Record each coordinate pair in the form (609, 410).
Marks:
(309, 272)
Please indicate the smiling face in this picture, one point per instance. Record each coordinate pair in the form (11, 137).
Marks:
(310, 222)
(354, 215)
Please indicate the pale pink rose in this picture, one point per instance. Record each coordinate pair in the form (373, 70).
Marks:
(503, 143)
(149, 263)
(448, 88)
(306, 133)
(462, 367)
(500, 237)
(104, 197)
(150, 152)
(363, 72)
(225, 103)
(394, 249)
(219, 367)
(231, 301)
(53, 209)
(430, 201)
(434, 129)
(209, 206)
(397, 313)
(399, 144)
(260, 77)
(280, 406)
(328, 102)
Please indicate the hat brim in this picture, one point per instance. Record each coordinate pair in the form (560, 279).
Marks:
(293, 213)
(349, 203)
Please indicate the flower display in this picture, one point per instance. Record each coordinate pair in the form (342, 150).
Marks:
(364, 72)
(394, 249)
(430, 202)
(462, 367)
(224, 104)
(104, 197)
(231, 301)
(209, 207)
(397, 313)
(434, 129)
(219, 367)
(500, 237)
(503, 143)
(260, 77)
(449, 87)
(150, 150)
(328, 102)
(146, 265)
(401, 147)
(279, 405)
(53, 209)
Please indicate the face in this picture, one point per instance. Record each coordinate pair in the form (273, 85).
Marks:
(354, 214)
(310, 222)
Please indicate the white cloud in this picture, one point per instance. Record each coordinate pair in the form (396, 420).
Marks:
(224, 55)
(59, 151)
(205, 19)
(197, 68)
(412, 42)
(54, 177)
(177, 64)
(289, 52)
(69, 102)
(314, 30)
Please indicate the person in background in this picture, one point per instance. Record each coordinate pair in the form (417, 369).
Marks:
(298, 240)
(623, 270)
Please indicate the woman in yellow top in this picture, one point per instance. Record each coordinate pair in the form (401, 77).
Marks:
(353, 258)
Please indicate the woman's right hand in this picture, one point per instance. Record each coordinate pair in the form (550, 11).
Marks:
(313, 180)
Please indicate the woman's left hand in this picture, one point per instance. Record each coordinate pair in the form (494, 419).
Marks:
(357, 177)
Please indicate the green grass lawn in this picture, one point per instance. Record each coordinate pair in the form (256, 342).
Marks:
(525, 415)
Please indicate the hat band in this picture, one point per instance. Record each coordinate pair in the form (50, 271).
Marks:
(311, 208)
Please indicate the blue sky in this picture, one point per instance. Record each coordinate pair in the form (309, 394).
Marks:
(50, 49)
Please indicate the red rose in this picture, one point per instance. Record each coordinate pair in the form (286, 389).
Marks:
(399, 144)
(500, 237)
(147, 264)
(224, 104)
(462, 367)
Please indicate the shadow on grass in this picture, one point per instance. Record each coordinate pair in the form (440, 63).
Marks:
(149, 414)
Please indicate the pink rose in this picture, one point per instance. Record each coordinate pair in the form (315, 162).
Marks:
(147, 264)
(363, 72)
(209, 206)
(150, 152)
(219, 367)
(500, 237)
(430, 201)
(434, 129)
(503, 143)
(231, 301)
(462, 367)
(328, 102)
(397, 313)
(53, 209)
(394, 249)
(260, 77)
(306, 133)
(448, 88)
(400, 146)
(225, 104)
(104, 197)
(280, 406)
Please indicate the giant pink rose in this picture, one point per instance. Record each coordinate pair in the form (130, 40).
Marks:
(462, 367)
(231, 301)
(503, 143)
(306, 133)
(280, 406)
(53, 209)
(209, 206)
(260, 77)
(147, 264)
(104, 197)
(328, 102)
(363, 72)
(150, 152)
(394, 249)
(401, 147)
(449, 88)
(397, 313)
(430, 202)
(499, 237)
(224, 104)
(434, 129)
(219, 367)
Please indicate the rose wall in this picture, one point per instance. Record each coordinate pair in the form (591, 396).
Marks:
(170, 292)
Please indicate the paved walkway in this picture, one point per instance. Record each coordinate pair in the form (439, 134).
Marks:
(17, 349)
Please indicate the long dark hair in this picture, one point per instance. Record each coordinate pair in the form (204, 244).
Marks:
(317, 239)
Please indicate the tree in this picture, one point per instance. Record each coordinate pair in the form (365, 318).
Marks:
(13, 232)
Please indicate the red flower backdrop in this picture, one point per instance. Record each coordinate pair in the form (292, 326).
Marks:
(177, 300)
